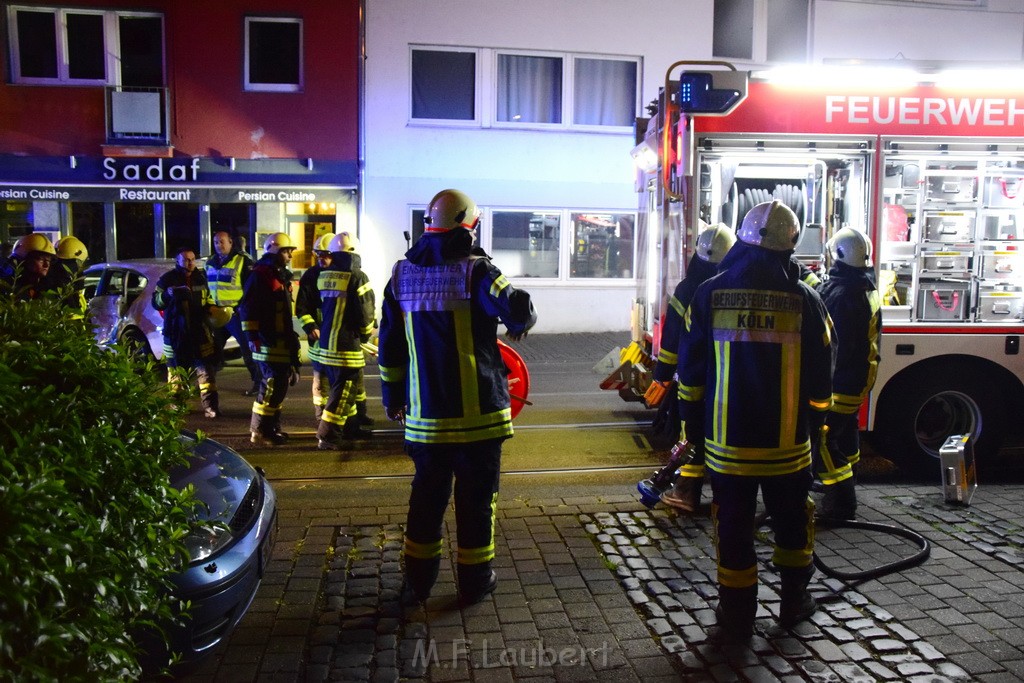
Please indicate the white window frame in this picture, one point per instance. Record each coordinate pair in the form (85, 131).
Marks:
(478, 100)
(247, 84)
(111, 47)
(571, 115)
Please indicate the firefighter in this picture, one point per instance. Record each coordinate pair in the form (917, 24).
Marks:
(852, 300)
(266, 314)
(25, 273)
(65, 276)
(184, 298)
(347, 321)
(712, 246)
(756, 359)
(307, 310)
(443, 375)
(226, 271)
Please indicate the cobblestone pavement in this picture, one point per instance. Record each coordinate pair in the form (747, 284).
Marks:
(594, 586)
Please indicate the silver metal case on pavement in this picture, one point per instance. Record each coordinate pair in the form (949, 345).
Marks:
(959, 480)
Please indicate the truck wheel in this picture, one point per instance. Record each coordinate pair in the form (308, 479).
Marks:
(920, 413)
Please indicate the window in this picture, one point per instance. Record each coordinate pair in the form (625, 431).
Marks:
(85, 47)
(273, 54)
(560, 90)
(747, 30)
(525, 243)
(602, 245)
(443, 85)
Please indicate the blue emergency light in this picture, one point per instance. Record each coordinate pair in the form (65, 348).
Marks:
(698, 96)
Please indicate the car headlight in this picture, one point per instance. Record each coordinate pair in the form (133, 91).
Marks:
(204, 541)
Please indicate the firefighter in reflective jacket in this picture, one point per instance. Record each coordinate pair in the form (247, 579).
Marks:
(442, 373)
(226, 271)
(757, 359)
(25, 274)
(65, 276)
(266, 313)
(183, 297)
(307, 310)
(347, 321)
(712, 246)
(851, 297)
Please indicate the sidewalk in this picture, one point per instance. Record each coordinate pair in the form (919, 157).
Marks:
(593, 586)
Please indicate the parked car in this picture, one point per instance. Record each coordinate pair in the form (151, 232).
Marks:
(228, 558)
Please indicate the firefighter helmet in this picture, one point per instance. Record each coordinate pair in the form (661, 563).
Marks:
(344, 241)
(451, 209)
(278, 241)
(71, 247)
(31, 243)
(219, 315)
(770, 225)
(324, 243)
(715, 242)
(850, 247)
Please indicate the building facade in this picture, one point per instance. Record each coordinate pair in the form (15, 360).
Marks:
(144, 129)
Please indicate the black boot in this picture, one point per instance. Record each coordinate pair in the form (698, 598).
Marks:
(476, 582)
(735, 614)
(420, 576)
(797, 602)
(352, 430)
(361, 417)
(840, 501)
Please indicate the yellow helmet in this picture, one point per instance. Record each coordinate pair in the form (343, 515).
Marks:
(71, 247)
(219, 315)
(344, 241)
(715, 242)
(451, 209)
(770, 225)
(278, 241)
(33, 242)
(324, 243)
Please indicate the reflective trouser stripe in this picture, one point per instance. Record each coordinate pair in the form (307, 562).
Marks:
(484, 553)
(798, 557)
(422, 551)
(737, 578)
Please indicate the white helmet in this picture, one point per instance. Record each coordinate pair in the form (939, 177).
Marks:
(715, 242)
(451, 209)
(278, 241)
(770, 225)
(344, 241)
(850, 247)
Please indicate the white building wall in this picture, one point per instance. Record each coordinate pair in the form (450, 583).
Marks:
(407, 163)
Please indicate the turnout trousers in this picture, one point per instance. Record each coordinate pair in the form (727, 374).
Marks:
(733, 508)
(341, 401)
(266, 409)
(475, 469)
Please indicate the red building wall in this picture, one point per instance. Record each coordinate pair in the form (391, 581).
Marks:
(211, 114)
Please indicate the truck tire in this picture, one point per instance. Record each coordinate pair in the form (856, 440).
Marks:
(919, 412)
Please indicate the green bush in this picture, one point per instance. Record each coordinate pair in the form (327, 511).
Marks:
(90, 528)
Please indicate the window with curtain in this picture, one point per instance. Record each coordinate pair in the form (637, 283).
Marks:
(526, 243)
(604, 92)
(529, 89)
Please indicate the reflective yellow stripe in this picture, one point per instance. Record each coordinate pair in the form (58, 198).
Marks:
(414, 399)
(667, 357)
(831, 474)
(499, 284)
(737, 578)
(459, 430)
(846, 404)
(687, 393)
(364, 289)
(756, 461)
(720, 416)
(467, 363)
(677, 306)
(790, 392)
(395, 374)
(692, 471)
(422, 551)
(485, 553)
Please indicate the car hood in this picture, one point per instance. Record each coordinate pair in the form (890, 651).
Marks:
(220, 476)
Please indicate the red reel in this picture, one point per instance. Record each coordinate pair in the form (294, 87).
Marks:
(518, 377)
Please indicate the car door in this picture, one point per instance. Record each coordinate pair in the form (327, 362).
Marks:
(107, 303)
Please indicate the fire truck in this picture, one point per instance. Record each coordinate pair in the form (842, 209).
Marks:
(931, 169)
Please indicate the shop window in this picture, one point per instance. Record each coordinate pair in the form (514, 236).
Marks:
(273, 54)
(747, 30)
(602, 245)
(443, 84)
(82, 47)
(88, 225)
(134, 225)
(526, 243)
(181, 228)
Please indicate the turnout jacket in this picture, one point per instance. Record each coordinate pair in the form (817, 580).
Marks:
(227, 275)
(187, 335)
(758, 354)
(347, 312)
(438, 350)
(266, 312)
(307, 300)
(697, 272)
(852, 301)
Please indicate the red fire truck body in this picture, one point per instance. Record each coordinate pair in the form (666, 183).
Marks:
(933, 175)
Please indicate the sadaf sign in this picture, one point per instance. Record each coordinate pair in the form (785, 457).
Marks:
(918, 110)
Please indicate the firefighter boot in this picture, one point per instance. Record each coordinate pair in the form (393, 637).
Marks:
(797, 602)
(420, 575)
(685, 495)
(361, 417)
(840, 502)
(353, 430)
(327, 437)
(476, 581)
(734, 614)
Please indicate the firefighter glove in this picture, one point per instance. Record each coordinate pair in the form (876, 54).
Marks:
(395, 414)
(293, 376)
